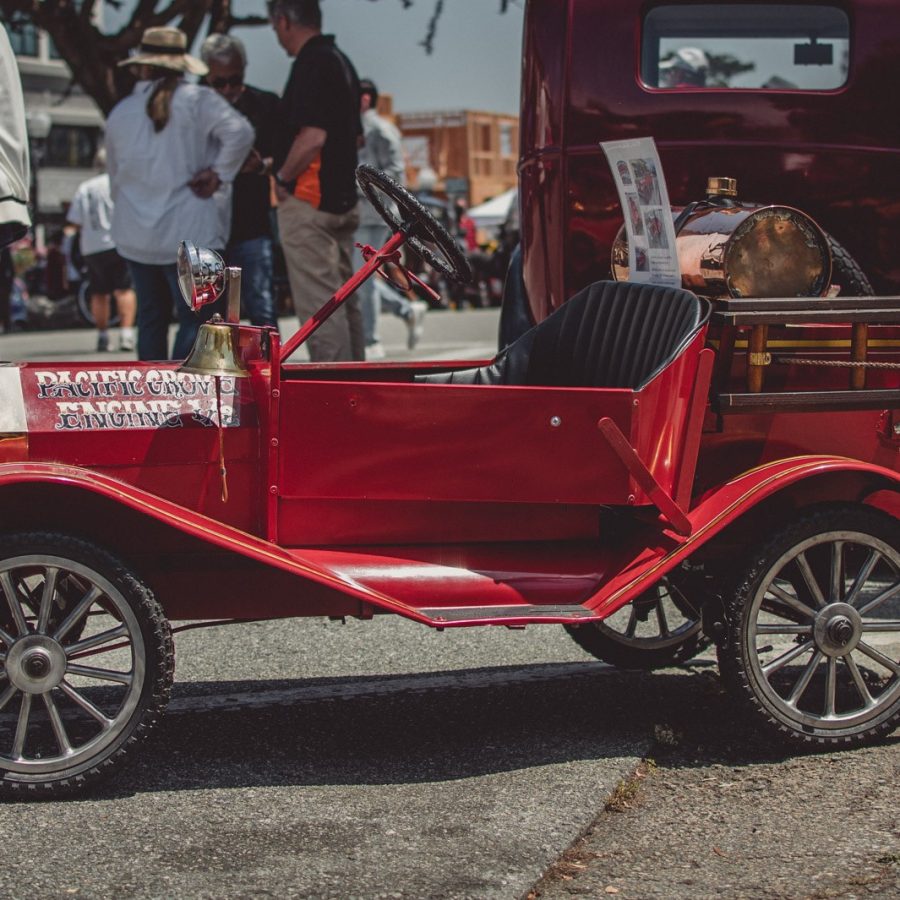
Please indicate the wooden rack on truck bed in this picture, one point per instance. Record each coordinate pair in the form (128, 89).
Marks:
(778, 333)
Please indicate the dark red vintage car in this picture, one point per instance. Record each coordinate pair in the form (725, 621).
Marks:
(635, 476)
(794, 99)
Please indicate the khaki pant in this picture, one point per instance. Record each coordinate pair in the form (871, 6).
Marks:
(317, 250)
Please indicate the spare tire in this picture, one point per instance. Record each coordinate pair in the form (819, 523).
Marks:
(846, 272)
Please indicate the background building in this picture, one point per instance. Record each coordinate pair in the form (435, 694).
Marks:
(63, 157)
(473, 154)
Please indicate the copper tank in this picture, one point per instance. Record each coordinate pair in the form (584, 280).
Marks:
(727, 248)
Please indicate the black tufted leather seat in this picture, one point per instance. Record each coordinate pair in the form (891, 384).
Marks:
(611, 335)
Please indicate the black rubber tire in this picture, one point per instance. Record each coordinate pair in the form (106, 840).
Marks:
(741, 664)
(155, 661)
(612, 646)
(847, 273)
(416, 222)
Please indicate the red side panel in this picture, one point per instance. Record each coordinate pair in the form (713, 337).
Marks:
(433, 463)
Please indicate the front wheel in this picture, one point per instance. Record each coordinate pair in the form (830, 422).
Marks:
(812, 631)
(87, 663)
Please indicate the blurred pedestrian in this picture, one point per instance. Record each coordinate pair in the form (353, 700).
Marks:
(56, 275)
(91, 212)
(466, 230)
(383, 150)
(71, 248)
(15, 174)
(466, 234)
(315, 176)
(170, 146)
(250, 243)
(7, 275)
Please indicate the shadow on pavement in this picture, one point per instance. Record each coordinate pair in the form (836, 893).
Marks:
(321, 732)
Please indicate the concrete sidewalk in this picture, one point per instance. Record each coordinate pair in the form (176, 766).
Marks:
(721, 812)
(448, 335)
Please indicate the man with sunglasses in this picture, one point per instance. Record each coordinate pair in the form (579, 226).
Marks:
(250, 243)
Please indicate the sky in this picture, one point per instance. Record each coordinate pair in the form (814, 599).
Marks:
(476, 63)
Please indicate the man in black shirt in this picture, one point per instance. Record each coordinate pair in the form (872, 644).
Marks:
(315, 166)
(250, 243)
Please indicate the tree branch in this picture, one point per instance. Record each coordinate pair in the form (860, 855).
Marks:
(242, 21)
(93, 56)
(192, 19)
(428, 41)
(219, 16)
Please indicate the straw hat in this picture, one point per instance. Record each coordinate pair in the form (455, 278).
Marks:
(166, 48)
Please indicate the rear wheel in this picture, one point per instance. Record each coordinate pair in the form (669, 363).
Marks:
(658, 629)
(87, 663)
(812, 632)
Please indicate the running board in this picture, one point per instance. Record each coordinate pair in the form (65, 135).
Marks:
(506, 615)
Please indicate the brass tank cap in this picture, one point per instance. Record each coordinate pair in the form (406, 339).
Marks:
(721, 187)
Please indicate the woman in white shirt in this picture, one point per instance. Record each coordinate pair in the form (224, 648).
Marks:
(170, 147)
(14, 172)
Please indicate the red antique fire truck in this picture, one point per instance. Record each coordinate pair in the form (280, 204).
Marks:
(651, 468)
(629, 453)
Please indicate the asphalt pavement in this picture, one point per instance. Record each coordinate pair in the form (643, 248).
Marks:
(307, 758)
(315, 759)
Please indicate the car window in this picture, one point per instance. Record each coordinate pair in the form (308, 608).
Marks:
(758, 46)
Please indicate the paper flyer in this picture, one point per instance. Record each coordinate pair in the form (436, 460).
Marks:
(652, 257)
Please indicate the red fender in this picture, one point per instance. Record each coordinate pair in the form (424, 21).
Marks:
(199, 526)
(716, 510)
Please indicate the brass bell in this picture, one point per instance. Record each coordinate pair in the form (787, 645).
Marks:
(213, 352)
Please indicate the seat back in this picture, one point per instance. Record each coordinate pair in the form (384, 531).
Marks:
(609, 335)
(613, 335)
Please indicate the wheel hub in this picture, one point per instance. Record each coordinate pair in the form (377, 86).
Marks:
(35, 664)
(837, 629)
(840, 630)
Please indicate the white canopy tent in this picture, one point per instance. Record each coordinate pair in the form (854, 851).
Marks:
(495, 211)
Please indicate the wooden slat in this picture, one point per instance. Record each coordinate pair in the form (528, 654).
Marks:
(807, 401)
(859, 352)
(821, 316)
(800, 304)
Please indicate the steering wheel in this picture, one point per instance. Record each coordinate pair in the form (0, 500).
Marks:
(423, 232)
